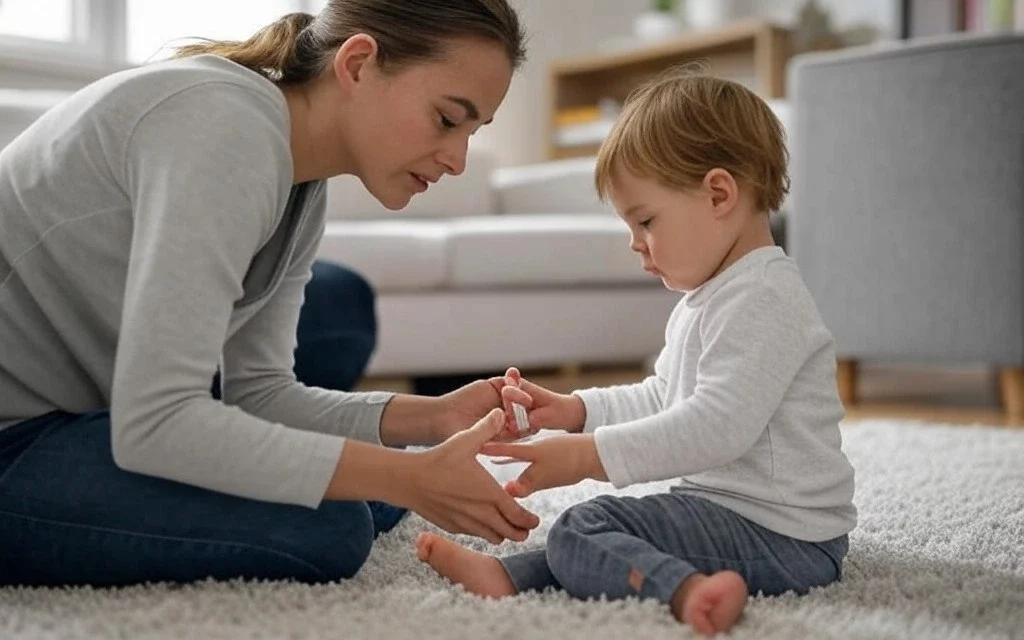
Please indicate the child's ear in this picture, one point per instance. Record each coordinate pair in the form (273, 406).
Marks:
(723, 189)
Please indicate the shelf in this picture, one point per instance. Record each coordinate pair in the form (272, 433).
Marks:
(692, 45)
(752, 52)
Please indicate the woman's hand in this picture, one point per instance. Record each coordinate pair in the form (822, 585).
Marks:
(447, 486)
(464, 406)
(554, 462)
(545, 409)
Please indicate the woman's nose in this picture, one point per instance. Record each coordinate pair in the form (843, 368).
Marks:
(453, 156)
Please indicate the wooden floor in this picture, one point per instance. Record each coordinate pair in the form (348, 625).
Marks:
(967, 395)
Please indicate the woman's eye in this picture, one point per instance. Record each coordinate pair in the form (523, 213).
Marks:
(446, 123)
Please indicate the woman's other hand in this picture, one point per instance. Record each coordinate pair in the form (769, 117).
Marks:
(449, 487)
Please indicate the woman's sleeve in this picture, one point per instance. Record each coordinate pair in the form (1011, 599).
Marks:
(204, 170)
(259, 362)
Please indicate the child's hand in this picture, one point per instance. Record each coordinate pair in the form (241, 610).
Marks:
(545, 409)
(511, 393)
(554, 462)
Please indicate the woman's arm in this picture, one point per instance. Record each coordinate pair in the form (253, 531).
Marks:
(259, 375)
(205, 170)
(445, 485)
(259, 360)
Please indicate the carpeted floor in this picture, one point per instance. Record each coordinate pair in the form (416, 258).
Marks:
(939, 553)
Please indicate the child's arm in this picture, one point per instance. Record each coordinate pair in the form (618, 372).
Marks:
(557, 461)
(753, 346)
(623, 403)
(533, 407)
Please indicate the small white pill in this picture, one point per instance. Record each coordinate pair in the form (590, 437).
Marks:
(522, 422)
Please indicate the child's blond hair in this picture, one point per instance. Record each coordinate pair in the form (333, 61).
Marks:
(682, 124)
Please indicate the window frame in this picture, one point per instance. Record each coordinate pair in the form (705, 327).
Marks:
(97, 48)
(101, 27)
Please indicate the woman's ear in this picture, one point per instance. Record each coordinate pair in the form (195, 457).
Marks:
(355, 58)
(723, 189)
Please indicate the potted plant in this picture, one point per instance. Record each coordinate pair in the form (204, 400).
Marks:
(659, 22)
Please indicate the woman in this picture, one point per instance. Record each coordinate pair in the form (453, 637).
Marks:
(159, 229)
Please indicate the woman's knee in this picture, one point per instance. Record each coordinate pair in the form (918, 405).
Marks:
(332, 545)
(337, 330)
(337, 294)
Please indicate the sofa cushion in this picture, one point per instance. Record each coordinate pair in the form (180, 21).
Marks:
(486, 252)
(394, 255)
(469, 194)
(561, 186)
(541, 250)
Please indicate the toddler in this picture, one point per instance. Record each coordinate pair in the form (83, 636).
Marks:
(743, 405)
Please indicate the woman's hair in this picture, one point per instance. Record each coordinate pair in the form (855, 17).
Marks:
(684, 123)
(299, 46)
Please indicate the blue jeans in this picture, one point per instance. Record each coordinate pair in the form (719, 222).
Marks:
(70, 516)
(646, 547)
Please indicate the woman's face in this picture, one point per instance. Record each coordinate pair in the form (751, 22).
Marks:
(406, 129)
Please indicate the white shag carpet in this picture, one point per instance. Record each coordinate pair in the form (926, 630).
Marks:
(939, 553)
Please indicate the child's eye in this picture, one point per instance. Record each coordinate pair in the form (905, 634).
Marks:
(446, 123)
(646, 223)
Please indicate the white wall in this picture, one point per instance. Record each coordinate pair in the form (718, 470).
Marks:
(575, 27)
(557, 28)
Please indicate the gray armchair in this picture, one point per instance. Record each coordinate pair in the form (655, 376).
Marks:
(907, 205)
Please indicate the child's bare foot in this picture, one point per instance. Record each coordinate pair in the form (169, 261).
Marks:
(479, 573)
(710, 604)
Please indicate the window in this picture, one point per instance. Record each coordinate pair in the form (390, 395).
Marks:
(42, 20)
(75, 33)
(109, 34)
(152, 26)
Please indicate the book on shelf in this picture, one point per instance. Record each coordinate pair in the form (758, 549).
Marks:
(586, 133)
(585, 124)
(577, 115)
(987, 16)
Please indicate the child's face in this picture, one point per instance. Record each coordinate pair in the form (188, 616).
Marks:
(682, 236)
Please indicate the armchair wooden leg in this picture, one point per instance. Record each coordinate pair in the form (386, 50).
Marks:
(570, 370)
(846, 378)
(1011, 386)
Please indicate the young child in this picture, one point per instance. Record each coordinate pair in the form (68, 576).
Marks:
(742, 406)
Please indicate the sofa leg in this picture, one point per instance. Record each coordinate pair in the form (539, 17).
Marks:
(846, 379)
(1011, 386)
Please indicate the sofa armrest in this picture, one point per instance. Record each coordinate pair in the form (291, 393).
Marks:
(560, 186)
(908, 197)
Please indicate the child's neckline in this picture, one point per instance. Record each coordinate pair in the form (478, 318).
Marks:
(749, 260)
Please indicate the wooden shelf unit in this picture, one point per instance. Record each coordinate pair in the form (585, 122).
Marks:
(752, 52)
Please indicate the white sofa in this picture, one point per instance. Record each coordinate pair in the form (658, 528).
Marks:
(495, 267)
(492, 268)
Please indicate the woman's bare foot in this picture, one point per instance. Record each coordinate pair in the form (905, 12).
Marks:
(479, 573)
(710, 604)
